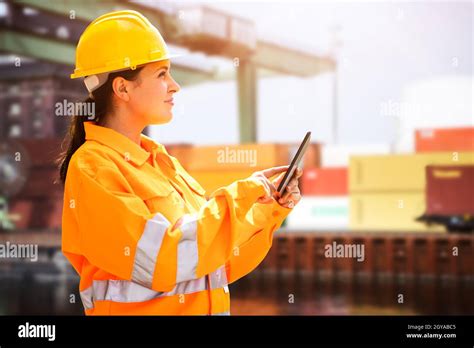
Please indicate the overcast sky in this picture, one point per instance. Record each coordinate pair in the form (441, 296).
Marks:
(387, 47)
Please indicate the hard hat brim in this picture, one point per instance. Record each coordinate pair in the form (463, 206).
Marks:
(110, 69)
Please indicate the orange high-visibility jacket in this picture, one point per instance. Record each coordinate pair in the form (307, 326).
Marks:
(121, 202)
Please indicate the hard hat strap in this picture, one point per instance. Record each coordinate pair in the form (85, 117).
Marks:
(93, 82)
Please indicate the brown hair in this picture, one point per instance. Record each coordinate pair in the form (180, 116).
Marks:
(102, 98)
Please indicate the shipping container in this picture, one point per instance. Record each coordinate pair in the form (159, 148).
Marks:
(20, 211)
(41, 152)
(450, 197)
(342, 265)
(303, 250)
(383, 256)
(465, 256)
(36, 213)
(421, 255)
(56, 213)
(398, 172)
(445, 258)
(319, 213)
(402, 253)
(269, 262)
(324, 181)
(322, 265)
(444, 139)
(42, 182)
(285, 253)
(424, 256)
(241, 157)
(312, 157)
(388, 212)
(450, 190)
(363, 267)
(237, 157)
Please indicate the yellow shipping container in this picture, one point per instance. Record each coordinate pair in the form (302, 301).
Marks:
(212, 180)
(395, 211)
(398, 172)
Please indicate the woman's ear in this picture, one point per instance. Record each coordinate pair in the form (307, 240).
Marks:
(119, 86)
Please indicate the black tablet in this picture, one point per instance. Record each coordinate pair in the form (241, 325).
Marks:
(294, 164)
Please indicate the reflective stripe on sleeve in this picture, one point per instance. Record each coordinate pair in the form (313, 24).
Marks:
(147, 250)
(187, 249)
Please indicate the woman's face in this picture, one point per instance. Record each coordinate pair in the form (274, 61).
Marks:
(151, 98)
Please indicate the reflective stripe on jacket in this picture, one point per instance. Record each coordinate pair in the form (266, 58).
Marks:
(121, 202)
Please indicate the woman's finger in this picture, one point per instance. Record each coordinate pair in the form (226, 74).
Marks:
(292, 200)
(293, 183)
(279, 178)
(287, 194)
(268, 173)
(295, 198)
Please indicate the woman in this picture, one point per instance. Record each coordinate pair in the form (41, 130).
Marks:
(136, 226)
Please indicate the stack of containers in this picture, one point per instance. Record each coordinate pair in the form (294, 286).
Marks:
(40, 201)
(444, 139)
(325, 202)
(220, 165)
(324, 205)
(449, 198)
(387, 193)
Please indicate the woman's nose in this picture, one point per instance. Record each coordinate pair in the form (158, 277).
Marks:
(174, 86)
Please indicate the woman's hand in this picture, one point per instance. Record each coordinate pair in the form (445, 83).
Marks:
(289, 198)
(292, 196)
(264, 176)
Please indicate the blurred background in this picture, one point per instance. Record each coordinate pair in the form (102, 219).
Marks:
(385, 87)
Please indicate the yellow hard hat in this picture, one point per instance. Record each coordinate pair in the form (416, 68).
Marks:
(116, 41)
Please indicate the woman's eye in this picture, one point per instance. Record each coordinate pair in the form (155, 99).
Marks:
(162, 74)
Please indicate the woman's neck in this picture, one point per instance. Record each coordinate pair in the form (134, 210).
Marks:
(130, 130)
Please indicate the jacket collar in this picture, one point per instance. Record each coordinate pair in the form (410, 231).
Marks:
(132, 152)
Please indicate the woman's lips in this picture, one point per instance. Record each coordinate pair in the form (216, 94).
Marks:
(170, 101)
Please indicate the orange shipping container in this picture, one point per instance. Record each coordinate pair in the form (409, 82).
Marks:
(324, 181)
(444, 139)
(241, 157)
(237, 157)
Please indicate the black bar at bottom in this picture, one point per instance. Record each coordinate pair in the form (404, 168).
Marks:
(395, 330)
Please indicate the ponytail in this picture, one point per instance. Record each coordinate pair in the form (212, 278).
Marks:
(102, 99)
